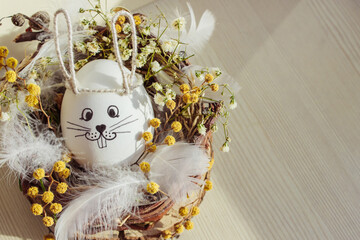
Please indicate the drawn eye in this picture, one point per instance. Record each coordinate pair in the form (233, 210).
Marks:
(86, 114)
(113, 111)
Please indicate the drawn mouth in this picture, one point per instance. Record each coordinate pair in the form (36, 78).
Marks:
(102, 142)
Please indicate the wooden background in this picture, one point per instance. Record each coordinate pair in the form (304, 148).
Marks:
(293, 171)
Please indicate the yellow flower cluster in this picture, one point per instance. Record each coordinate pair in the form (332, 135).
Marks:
(196, 90)
(32, 192)
(170, 104)
(214, 87)
(155, 122)
(39, 173)
(31, 100)
(211, 163)
(176, 126)
(145, 167)
(188, 225)
(118, 28)
(169, 140)
(147, 136)
(166, 234)
(137, 20)
(55, 208)
(62, 188)
(48, 221)
(10, 76)
(48, 197)
(209, 78)
(208, 185)
(121, 19)
(152, 187)
(34, 89)
(65, 173)
(4, 51)
(59, 166)
(37, 209)
(195, 211)
(12, 62)
(184, 88)
(151, 147)
(190, 98)
(179, 228)
(183, 211)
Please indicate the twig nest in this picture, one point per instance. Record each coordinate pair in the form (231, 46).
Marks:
(39, 20)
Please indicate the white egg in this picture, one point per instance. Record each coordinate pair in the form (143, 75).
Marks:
(103, 129)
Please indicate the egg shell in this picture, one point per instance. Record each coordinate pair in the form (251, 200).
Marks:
(104, 129)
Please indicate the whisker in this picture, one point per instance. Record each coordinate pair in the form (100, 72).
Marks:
(77, 125)
(123, 125)
(77, 129)
(120, 121)
(81, 135)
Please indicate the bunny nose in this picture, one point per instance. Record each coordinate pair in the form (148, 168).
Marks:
(101, 128)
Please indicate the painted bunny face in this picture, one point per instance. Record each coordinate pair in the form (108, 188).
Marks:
(104, 128)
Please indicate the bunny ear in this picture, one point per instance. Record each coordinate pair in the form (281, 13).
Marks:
(70, 76)
(127, 80)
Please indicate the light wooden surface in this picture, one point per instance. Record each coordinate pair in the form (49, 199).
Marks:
(293, 171)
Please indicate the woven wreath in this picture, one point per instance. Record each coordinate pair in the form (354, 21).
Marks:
(113, 141)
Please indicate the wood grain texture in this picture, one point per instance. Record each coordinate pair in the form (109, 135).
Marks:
(293, 171)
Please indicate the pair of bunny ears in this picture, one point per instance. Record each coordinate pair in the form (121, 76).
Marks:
(71, 78)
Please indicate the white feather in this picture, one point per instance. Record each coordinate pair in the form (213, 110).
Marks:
(198, 35)
(174, 168)
(24, 148)
(110, 200)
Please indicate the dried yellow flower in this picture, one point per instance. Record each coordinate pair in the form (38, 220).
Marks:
(12, 62)
(194, 98)
(183, 211)
(118, 28)
(209, 78)
(188, 225)
(48, 197)
(147, 136)
(10, 76)
(179, 228)
(214, 87)
(169, 140)
(196, 90)
(65, 173)
(176, 126)
(195, 211)
(152, 148)
(48, 221)
(166, 234)
(4, 51)
(32, 192)
(121, 19)
(39, 173)
(152, 187)
(31, 100)
(145, 167)
(61, 188)
(170, 104)
(184, 88)
(137, 20)
(36, 209)
(186, 98)
(34, 89)
(208, 185)
(55, 208)
(155, 122)
(59, 166)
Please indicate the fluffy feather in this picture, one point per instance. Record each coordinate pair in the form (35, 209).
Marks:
(110, 200)
(198, 35)
(174, 168)
(24, 148)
